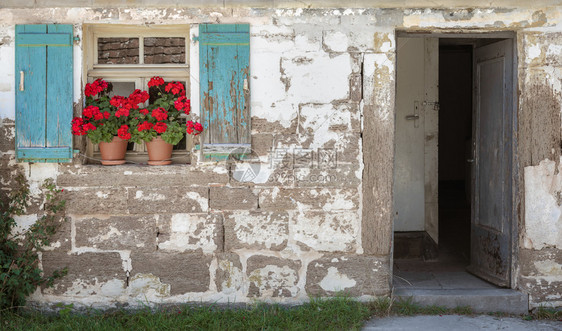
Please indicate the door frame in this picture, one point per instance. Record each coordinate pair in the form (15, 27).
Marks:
(516, 179)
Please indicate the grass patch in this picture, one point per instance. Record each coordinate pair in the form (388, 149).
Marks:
(545, 313)
(331, 314)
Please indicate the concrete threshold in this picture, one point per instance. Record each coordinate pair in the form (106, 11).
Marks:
(481, 300)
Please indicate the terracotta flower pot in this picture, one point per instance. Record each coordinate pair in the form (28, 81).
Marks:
(159, 152)
(113, 153)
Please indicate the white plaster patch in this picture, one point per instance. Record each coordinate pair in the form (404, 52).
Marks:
(335, 281)
(260, 229)
(148, 287)
(543, 189)
(7, 58)
(273, 280)
(191, 232)
(549, 268)
(317, 77)
(234, 279)
(202, 201)
(24, 222)
(112, 288)
(139, 195)
(336, 41)
(102, 195)
(533, 52)
(333, 232)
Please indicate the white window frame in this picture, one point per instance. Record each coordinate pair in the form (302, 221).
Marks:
(139, 73)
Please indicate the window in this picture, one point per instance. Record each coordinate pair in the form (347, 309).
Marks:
(128, 56)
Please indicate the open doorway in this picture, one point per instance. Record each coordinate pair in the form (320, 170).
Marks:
(453, 199)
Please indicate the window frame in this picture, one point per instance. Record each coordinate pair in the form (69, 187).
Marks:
(139, 73)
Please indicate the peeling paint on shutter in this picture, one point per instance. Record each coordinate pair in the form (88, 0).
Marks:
(224, 51)
(44, 93)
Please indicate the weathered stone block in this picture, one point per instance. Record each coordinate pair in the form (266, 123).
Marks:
(324, 120)
(256, 230)
(191, 232)
(7, 137)
(232, 198)
(138, 176)
(355, 275)
(262, 125)
(328, 232)
(88, 274)
(308, 198)
(546, 262)
(229, 276)
(272, 277)
(168, 200)
(61, 241)
(96, 201)
(117, 232)
(262, 143)
(184, 272)
(338, 175)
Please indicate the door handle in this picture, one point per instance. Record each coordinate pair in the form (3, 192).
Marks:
(22, 77)
(470, 160)
(416, 115)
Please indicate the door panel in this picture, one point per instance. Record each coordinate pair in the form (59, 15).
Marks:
(492, 171)
(409, 212)
(415, 177)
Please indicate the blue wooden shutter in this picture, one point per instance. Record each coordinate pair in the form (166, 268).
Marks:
(224, 51)
(44, 97)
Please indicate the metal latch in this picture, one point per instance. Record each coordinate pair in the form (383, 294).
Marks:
(416, 115)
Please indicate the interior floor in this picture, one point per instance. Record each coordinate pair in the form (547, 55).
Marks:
(448, 272)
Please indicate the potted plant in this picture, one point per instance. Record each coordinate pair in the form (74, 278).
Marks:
(160, 124)
(106, 120)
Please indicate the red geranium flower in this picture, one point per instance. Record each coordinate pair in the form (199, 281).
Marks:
(183, 103)
(122, 112)
(160, 114)
(96, 87)
(106, 114)
(194, 128)
(160, 127)
(143, 111)
(175, 88)
(123, 132)
(90, 111)
(119, 102)
(77, 124)
(155, 81)
(88, 126)
(145, 126)
(137, 97)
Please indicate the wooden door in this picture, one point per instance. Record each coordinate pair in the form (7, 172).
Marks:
(492, 167)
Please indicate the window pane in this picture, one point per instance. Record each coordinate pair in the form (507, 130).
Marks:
(118, 50)
(122, 88)
(158, 50)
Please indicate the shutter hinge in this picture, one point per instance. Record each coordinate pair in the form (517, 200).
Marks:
(195, 39)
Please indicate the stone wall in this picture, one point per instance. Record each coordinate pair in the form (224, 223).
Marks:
(317, 217)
